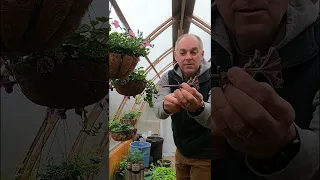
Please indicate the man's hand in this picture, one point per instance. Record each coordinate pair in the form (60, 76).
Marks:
(252, 116)
(171, 104)
(190, 99)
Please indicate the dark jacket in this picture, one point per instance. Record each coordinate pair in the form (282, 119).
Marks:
(191, 134)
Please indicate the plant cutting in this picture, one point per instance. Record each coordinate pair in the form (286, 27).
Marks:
(131, 117)
(135, 84)
(73, 75)
(125, 49)
(121, 131)
(268, 66)
(30, 26)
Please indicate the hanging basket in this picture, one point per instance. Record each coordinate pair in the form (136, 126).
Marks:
(123, 135)
(71, 84)
(121, 66)
(133, 122)
(33, 26)
(131, 88)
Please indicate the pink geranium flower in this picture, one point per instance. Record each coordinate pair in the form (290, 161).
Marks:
(148, 44)
(131, 33)
(116, 23)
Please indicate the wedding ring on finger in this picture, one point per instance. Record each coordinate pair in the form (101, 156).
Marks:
(246, 136)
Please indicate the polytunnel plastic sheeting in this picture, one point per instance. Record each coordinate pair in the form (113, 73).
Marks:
(164, 62)
(145, 15)
(206, 40)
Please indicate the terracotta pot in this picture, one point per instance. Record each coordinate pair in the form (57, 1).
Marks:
(33, 26)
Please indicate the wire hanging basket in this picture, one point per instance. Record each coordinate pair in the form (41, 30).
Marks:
(39, 25)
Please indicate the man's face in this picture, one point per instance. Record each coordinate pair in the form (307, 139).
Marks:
(252, 18)
(189, 55)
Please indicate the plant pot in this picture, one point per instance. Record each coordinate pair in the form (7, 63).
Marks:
(131, 88)
(29, 26)
(72, 83)
(123, 135)
(121, 66)
(133, 122)
(119, 175)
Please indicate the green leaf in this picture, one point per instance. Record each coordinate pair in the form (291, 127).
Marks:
(102, 19)
(94, 23)
(83, 28)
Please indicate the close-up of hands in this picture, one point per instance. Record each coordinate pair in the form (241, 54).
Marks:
(252, 116)
(185, 97)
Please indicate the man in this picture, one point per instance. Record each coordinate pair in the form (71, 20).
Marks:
(190, 109)
(273, 130)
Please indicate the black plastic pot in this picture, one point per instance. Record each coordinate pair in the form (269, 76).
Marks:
(156, 147)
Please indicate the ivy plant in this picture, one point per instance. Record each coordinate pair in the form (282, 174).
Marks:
(150, 92)
(128, 43)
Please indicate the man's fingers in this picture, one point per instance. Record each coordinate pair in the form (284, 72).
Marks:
(251, 111)
(279, 108)
(264, 94)
(192, 91)
(172, 100)
(243, 81)
(223, 111)
(188, 96)
(180, 97)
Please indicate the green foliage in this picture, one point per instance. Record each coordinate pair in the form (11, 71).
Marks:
(140, 74)
(150, 91)
(123, 164)
(75, 169)
(125, 43)
(134, 156)
(117, 126)
(89, 41)
(163, 173)
(132, 115)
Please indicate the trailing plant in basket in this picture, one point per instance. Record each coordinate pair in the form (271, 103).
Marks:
(88, 42)
(139, 74)
(117, 126)
(132, 115)
(128, 43)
